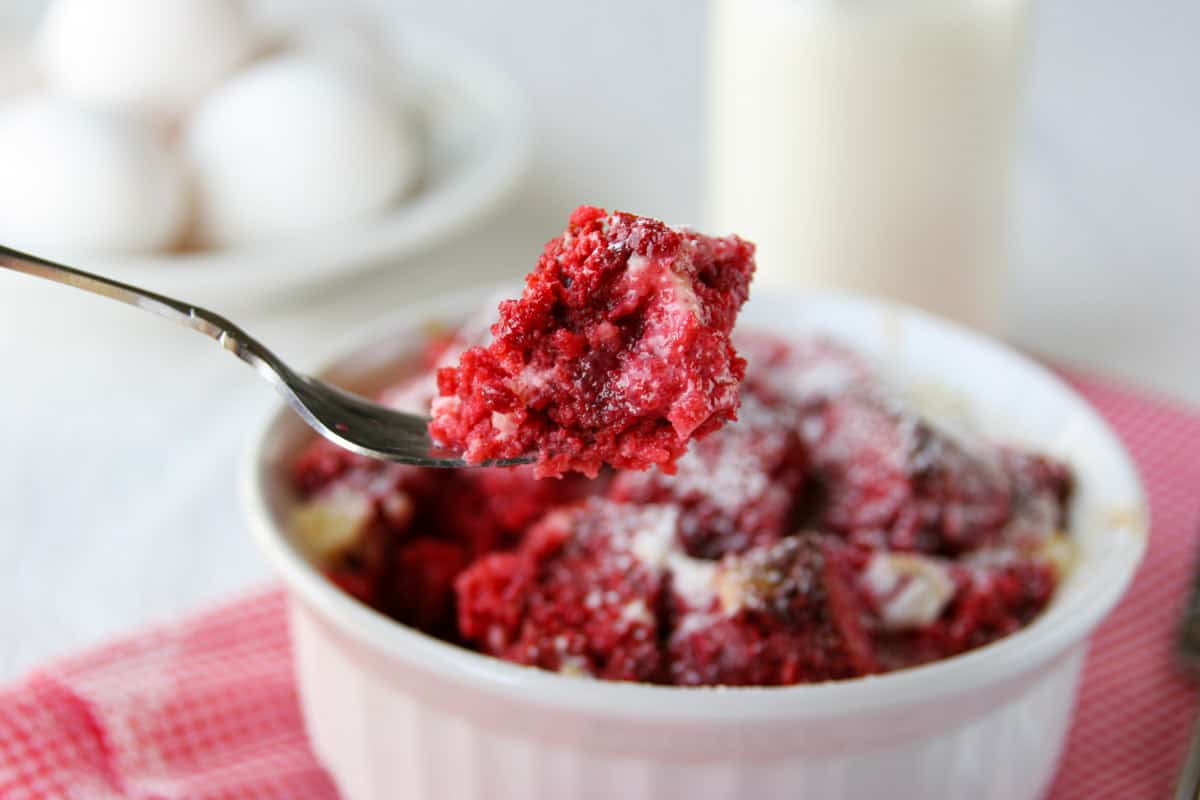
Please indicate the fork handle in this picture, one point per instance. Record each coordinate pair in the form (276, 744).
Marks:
(228, 335)
(1188, 787)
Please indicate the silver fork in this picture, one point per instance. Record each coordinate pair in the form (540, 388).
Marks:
(1188, 651)
(348, 420)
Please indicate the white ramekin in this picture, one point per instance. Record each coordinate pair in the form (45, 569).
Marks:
(393, 713)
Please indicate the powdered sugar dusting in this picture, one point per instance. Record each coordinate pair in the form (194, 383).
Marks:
(693, 579)
(693, 622)
(735, 473)
(504, 424)
(636, 611)
(656, 546)
(735, 488)
(684, 299)
(805, 370)
(655, 540)
(534, 378)
(445, 404)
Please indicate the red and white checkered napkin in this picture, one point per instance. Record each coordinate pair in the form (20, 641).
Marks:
(206, 709)
(203, 709)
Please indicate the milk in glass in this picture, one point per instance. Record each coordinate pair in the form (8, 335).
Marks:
(866, 145)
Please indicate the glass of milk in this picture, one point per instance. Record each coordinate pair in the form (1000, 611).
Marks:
(866, 144)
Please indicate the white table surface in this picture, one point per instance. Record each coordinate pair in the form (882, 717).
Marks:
(118, 480)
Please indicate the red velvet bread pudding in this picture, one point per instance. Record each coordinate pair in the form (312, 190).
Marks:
(830, 532)
(617, 353)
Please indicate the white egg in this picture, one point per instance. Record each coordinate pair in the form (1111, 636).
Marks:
(77, 179)
(292, 144)
(154, 56)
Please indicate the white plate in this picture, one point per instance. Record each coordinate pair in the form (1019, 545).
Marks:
(477, 149)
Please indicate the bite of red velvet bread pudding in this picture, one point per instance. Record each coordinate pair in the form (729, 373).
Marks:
(617, 353)
(793, 522)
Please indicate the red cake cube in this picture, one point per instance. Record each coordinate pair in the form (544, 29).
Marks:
(882, 474)
(618, 351)
(785, 614)
(575, 598)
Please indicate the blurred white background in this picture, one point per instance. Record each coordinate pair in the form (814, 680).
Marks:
(118, 492)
